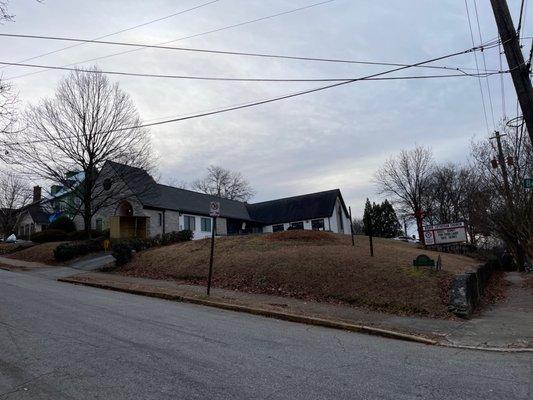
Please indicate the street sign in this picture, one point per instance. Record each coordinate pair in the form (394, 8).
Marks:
(214, 209)
(454, 232)
(528, 183)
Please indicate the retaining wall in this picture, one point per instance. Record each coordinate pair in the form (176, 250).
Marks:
(468, 288)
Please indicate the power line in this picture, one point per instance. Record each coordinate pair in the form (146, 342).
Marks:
(235, 53)
(194, 35)
(485, 66)
(214, 78)
(120, 31)
(270, 100)
(477, 67)
(502, 84)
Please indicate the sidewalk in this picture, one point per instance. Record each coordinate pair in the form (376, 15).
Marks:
(507, 326)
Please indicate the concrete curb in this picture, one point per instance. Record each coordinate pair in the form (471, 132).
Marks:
(298, 318)
(493, 349)
(264, 313)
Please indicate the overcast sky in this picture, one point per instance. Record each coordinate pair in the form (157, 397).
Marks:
(330, 139)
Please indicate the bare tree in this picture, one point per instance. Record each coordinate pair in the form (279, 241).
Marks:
(509, 213)
(4, 12)
(456, 194)
(87, 122)
(14, 194)
(224, 183)
(8, 101)
(406, 179)
(178, 183)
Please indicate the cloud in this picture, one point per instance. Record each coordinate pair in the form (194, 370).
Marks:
(335, 138)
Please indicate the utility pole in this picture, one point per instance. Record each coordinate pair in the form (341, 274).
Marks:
(515, 60)
(501, 161)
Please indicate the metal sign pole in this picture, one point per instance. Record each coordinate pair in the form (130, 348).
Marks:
(210, 274)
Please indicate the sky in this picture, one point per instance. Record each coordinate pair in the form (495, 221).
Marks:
(335, 138)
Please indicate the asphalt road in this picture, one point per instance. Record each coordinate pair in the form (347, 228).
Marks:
(59, 341)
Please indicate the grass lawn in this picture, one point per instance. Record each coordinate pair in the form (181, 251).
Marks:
(43, 253)
(311, 265)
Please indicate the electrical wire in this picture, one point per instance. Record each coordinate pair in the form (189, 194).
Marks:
(192, 36)
(120, 31)
(230, 79)
(502, 84)
(234, 53)
(477, 68)
(265, 101)
(485, 66)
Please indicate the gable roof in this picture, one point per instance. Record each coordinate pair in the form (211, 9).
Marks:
(297, 208)
(172, 198)
(38, 215)
(289, 209)
(152, 194)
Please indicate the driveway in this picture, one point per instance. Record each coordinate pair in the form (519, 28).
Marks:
(59, 341)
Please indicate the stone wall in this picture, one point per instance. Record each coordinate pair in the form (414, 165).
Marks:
(468, 288)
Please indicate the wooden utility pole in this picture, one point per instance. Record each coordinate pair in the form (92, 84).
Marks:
(503, 166)
(515, 60)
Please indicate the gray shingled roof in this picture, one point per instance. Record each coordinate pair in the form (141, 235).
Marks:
(153, 194)
(38, 215)
(172, 198)
(297, 208)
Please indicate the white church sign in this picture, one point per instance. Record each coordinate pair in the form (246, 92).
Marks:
(454, 232)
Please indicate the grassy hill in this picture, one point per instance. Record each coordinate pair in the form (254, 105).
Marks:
(311, 265)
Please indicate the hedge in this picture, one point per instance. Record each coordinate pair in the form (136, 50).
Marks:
(68, 251)
(126, 246)
(122, 253)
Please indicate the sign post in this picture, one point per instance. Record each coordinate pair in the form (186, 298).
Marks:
(214, 211)
(351, 225)
(370, 233)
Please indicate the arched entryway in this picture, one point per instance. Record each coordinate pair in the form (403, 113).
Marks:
(124, 224)
(125, 209)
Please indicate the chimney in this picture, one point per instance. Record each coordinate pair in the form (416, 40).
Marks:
(36, 193)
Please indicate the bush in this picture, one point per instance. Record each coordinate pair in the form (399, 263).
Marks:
(49, 235)
(68, 251)
(123, 255)
(122, 251)
(63, 223)
(82, 235)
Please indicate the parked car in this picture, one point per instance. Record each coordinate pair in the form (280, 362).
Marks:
(407, 239)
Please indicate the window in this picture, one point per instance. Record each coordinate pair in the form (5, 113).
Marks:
(206, 224)
(296, 225)
(160, 219)
(317, 224)
(341, 222)
(189, 222)
(107, 183)
(99, 224)
(278, 228)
